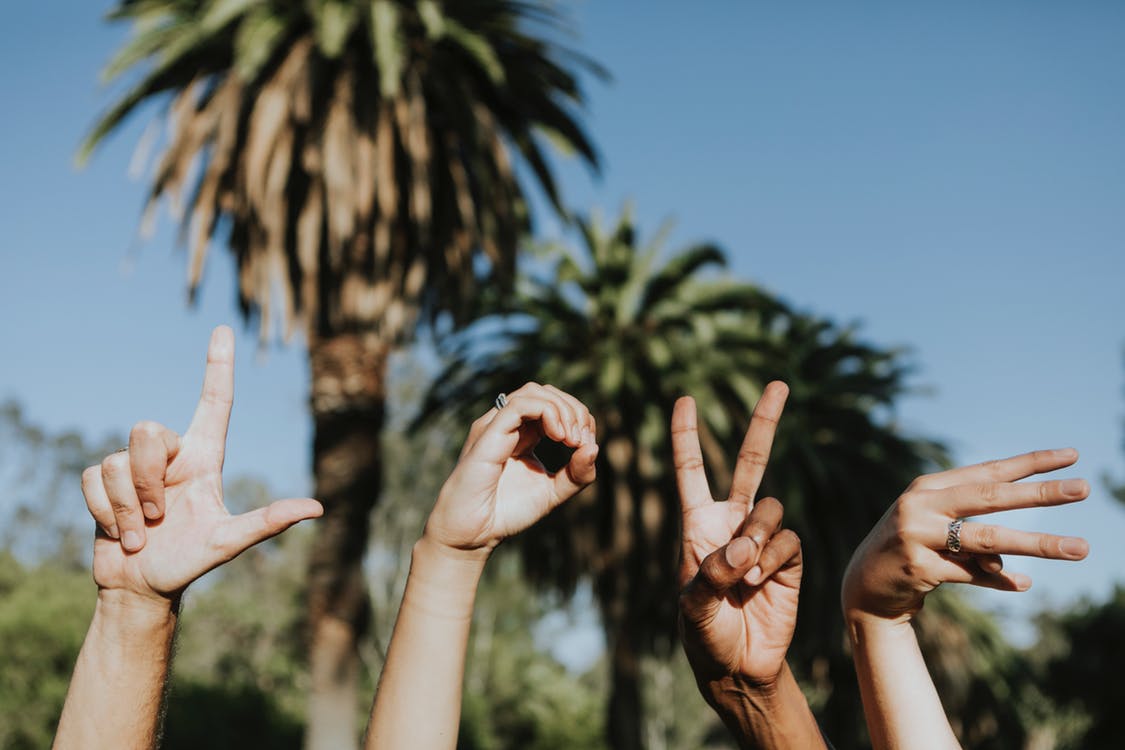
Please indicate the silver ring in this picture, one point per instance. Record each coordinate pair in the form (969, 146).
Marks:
(953, 537)
(501, 401)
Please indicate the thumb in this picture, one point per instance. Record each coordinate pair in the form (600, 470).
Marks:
(718, 572)
(242, 532)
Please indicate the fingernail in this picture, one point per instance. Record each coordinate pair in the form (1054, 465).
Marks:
(738, 552)
(151, 511)
(113, 532)
(131, 541)
(1066, 453)
(1023, 583)
(1073, 487)
(754, 574)
(993, 566)
(1073, 547)
(587, 435)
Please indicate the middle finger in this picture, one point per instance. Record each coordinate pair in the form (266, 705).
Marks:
(977, 499)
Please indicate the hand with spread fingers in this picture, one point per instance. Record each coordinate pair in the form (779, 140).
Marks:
(159, 504)
(740, 575)
(498, 489)
(922, 541)
(161, 524)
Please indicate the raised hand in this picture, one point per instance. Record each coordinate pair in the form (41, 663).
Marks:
(159, 505)
(740, 572)
(499, 487)
(907, 554)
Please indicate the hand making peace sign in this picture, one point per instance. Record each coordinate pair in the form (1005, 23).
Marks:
(740, 571)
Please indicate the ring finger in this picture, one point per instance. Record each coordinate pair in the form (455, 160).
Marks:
(990, 539)
(118, 481)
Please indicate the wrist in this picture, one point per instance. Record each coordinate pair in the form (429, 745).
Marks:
(864, 625)
(735, 687)
(150, 610)
(443, 580)
(131, 624)
(769, 712)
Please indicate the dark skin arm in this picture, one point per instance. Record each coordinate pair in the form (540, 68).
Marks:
(741, 576)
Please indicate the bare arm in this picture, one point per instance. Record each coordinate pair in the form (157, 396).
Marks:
(498, 489)
(741, 577)
(911, 551)
(125, 654)
(161, 524)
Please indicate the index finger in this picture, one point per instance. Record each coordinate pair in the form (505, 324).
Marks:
(755, 451)
(1003, 470)
(212, 415)
(687, 456)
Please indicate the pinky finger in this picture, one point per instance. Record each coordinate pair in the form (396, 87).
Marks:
(97, 501)
(990, 563)
(973, 573)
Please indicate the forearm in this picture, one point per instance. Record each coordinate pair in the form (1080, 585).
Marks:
(900, 701)
(116, 693)
(418, 702)
(767, 717)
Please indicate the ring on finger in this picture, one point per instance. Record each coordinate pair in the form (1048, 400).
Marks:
(501, 401)
(953, 535)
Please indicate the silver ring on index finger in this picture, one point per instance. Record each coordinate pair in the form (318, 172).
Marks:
(501, 401)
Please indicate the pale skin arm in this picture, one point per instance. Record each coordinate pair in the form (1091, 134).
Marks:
(905, 557)
(497, 489)
(161, 524)
(741, 577)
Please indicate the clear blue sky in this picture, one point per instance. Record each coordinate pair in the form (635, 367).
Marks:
(951, 175)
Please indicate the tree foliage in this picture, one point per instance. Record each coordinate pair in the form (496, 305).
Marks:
(359, 155)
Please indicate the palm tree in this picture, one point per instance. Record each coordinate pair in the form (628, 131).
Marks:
(358, 159)
(628, 333)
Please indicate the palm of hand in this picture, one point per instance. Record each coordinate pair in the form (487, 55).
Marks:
(182, 545)
(751, 627)
(499, 500)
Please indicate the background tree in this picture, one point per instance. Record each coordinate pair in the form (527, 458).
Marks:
(358, 157)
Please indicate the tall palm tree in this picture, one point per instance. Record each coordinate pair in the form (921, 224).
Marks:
(358, 159)
(628, 332)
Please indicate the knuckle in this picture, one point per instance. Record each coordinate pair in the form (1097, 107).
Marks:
(919, 483)
(690, 463)
(989, 492)
(752, 456)
(1048, 545)
(994, 468)
(908, 503)
(146, 430)
(789, 538)
(91, 474)
(987, 538)
(115, 463)
(769, 505)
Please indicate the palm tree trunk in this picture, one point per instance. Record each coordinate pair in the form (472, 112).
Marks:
(347, 394)
(625, 717)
